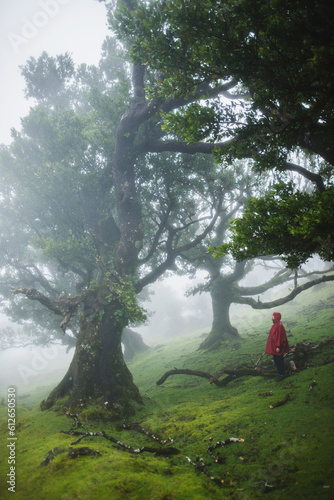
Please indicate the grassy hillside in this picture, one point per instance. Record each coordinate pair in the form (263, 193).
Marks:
(287, 450)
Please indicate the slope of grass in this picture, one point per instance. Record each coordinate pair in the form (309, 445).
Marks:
(289, 448)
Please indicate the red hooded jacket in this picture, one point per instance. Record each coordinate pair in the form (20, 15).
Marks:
(277, 337)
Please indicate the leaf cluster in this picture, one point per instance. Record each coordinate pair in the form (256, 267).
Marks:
(284, 219)
(128, 309)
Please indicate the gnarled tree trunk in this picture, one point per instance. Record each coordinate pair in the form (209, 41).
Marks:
(98, 371)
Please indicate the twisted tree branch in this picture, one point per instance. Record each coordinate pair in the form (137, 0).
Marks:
(283, 300)
(63, 306)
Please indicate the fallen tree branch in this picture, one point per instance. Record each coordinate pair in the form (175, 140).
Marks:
(303, 350)
(183, 372)
(295, 360)
(213, 379)
(51, 455)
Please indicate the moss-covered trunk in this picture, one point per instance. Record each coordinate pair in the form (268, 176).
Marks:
(98, 372)
(222, 298)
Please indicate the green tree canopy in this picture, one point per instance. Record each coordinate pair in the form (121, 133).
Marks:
(284, 219)
(275, 61)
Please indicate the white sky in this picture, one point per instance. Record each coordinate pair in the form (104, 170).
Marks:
(27, 28)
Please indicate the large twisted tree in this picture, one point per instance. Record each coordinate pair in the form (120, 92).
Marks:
(91, 215)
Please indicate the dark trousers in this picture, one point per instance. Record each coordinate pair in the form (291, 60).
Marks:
(279, 362)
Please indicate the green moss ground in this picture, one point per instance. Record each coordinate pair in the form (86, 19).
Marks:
(290, 447)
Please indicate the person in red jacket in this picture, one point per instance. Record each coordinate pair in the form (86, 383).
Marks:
(277, 344)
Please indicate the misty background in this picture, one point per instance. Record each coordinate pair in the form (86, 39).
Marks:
(28, 27)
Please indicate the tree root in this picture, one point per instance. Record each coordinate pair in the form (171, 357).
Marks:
(282, 402)
(201, 466)
(51, 455)
(84, 451)
(135, 426)
(71, 453)
(221, 444)
(167, 451)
